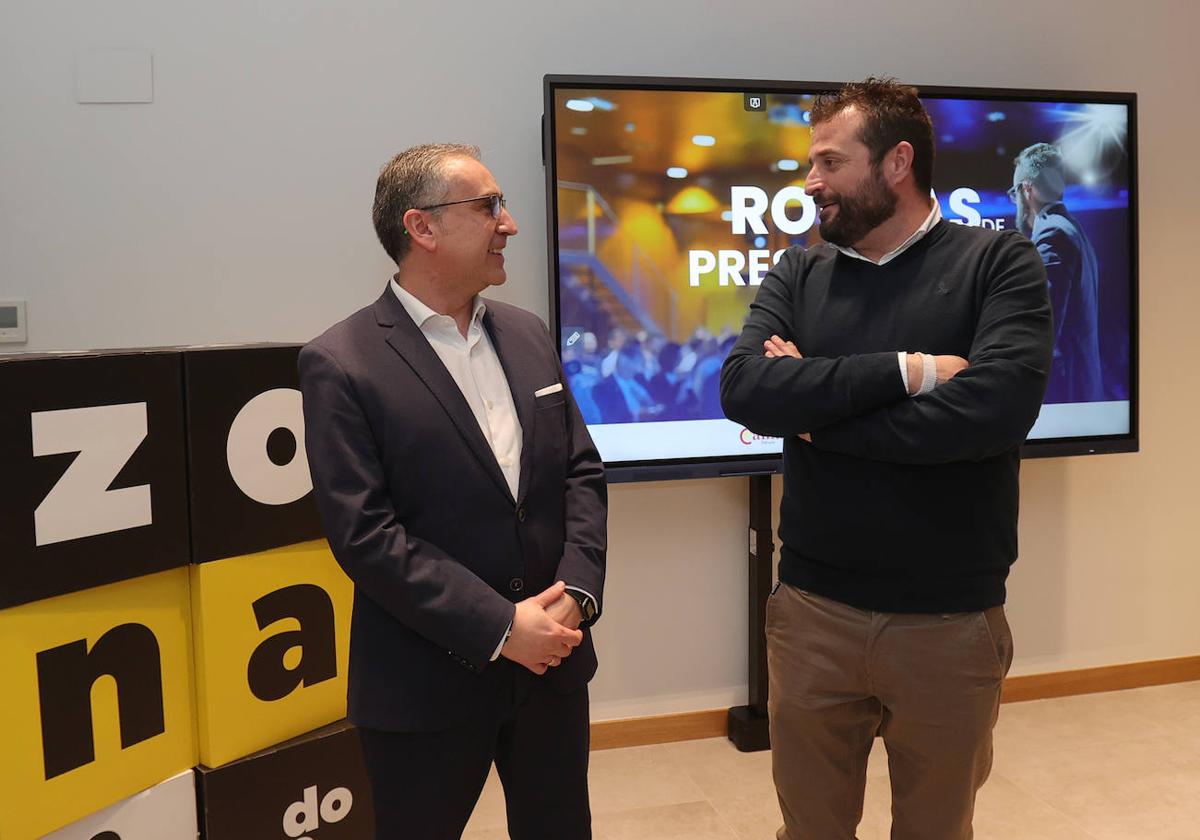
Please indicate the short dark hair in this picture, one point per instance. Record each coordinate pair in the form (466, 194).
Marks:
(412, 179)
(892, 112)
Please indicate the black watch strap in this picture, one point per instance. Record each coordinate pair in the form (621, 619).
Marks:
(587, 605)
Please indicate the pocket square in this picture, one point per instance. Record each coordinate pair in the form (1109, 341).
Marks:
(549, 389)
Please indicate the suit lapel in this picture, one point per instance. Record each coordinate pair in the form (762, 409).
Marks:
(409, 342)
(516, 352)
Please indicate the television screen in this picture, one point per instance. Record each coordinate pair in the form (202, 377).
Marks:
(670, 199)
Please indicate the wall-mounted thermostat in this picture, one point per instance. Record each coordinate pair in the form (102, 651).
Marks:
(12, 322)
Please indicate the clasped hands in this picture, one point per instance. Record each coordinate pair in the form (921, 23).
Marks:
(545, 630)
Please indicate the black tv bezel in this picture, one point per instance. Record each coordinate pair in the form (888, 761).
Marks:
(744, 465)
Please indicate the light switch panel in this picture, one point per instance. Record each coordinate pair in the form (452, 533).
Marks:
(12, 322)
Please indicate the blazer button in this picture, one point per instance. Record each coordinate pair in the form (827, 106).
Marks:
(516, 584)
(521, 514)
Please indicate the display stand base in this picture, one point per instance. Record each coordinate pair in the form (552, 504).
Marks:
(748, 729)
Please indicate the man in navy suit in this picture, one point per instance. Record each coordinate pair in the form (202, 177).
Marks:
(461, 493)
(1072, 270)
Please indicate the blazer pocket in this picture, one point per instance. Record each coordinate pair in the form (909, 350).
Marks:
(550, 400)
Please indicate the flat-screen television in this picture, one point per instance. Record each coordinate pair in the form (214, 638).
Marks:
(668, 200)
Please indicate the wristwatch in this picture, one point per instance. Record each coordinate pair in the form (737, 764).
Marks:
(587, 606)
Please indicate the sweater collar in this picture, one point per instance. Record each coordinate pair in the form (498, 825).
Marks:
(935, 216)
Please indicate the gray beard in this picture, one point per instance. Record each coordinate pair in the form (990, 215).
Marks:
(1024, 218)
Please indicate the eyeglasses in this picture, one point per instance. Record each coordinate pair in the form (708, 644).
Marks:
(1013, 191)
(496, 199)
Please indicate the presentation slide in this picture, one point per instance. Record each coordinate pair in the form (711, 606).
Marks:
(672, 205)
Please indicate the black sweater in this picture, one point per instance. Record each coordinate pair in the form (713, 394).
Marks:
(899, 504)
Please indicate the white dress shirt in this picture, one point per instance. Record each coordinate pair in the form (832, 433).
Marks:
(475, 368)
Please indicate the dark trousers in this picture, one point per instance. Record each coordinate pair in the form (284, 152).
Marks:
(425, 784)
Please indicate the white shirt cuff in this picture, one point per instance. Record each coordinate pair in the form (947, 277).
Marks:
(500, 646)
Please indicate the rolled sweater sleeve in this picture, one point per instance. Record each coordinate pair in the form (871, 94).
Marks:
(989, 407)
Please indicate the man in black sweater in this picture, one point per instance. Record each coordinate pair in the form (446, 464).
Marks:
(903, 363)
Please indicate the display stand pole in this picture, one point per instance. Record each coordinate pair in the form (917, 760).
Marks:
(747, 725)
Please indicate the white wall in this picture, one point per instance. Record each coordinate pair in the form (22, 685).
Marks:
(236, 208)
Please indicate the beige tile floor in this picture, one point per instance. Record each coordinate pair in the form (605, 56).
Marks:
(1118, 766)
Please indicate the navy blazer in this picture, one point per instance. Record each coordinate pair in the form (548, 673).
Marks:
(1073, 274)
(419, 515)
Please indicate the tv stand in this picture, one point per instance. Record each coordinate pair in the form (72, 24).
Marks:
(747, 725)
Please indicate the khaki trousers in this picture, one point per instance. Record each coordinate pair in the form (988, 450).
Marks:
(928, 683)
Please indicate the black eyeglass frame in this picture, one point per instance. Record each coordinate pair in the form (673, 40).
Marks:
(1014, 191)
(497, 199)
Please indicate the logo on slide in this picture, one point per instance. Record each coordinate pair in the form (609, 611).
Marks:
(748, 437)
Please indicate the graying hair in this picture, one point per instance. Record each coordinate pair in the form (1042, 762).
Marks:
(1042, 165)
(412, 179)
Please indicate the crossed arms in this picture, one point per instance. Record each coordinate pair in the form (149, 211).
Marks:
(857, 404)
